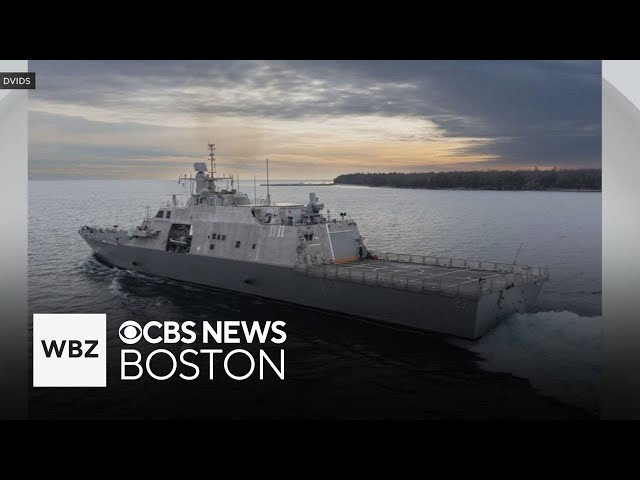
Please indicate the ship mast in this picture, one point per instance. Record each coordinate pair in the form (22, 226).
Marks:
(268, 195)
(212, 159)
(206, 180)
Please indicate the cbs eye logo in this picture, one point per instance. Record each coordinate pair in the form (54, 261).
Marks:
(130, 332)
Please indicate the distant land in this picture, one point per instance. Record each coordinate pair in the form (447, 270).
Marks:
(582, 179)
(298, 184)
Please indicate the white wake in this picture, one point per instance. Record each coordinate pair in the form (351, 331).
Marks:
(558, 352)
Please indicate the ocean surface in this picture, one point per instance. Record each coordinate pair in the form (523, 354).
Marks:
(543, 364)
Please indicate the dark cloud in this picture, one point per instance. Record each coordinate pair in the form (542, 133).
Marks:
(532, 112)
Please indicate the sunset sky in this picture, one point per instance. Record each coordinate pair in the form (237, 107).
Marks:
(312, 119)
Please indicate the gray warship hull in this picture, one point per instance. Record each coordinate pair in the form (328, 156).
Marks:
(291, 252)
(400, 293)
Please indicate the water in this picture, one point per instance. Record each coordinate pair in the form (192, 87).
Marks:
(544, 364)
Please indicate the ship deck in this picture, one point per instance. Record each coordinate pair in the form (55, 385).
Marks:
(464, 278)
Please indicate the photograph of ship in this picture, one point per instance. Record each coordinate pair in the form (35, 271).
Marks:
(293, 253)
(429, 230)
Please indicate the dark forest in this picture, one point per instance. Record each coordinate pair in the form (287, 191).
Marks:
(575, 179)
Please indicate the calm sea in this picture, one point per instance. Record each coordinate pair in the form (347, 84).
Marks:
(543, 364)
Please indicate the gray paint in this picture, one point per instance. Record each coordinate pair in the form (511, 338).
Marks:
(451, 315)
(275, 250)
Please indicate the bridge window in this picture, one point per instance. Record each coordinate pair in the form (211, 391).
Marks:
(254, 246)
(224, 237)
(160, 214)
(218, 237)
(308, 236)
(238, 244)
(168, 214)
(211, 245)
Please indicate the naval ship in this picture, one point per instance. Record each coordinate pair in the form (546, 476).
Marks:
(293, 252)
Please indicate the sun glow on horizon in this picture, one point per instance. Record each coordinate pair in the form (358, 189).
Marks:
(313, 120)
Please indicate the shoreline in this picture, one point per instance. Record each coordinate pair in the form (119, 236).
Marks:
(583, 190)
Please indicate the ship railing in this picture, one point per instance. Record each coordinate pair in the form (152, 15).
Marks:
(524, 270)
(106, 235)
(503, 277)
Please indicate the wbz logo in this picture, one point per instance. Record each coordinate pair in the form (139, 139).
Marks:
(69, 350)
(74, 350)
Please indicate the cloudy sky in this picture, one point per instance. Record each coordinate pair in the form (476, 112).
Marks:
(312, 119)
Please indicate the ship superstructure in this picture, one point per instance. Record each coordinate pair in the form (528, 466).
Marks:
(292, 252)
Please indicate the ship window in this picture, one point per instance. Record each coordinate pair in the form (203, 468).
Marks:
(218, 237)
(160, 214)
(213, 236)
(224, 237)
(211, 246)
(238, 244)
(168, 214)
(254, 246)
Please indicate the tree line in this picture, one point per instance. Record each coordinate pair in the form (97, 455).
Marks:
(554, 179)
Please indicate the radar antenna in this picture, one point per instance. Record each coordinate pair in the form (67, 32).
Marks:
(201, 180)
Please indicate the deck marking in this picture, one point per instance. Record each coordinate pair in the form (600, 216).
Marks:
(442, 274)
(483, 278)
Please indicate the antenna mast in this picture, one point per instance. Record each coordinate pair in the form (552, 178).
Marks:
(255, 195)
(212, 158)
(518, 253)
(268, 195)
